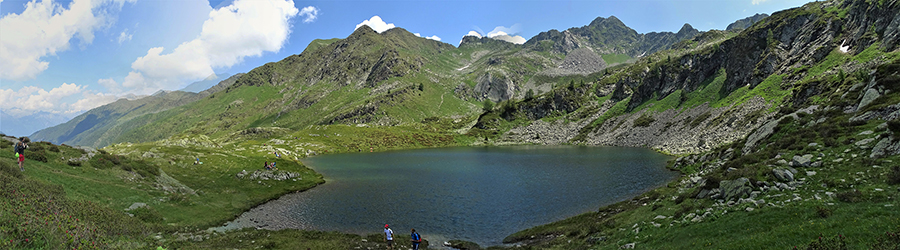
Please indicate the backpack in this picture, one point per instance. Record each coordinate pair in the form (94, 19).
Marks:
(415, 236)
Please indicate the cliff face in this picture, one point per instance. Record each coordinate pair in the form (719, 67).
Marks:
(783, 48)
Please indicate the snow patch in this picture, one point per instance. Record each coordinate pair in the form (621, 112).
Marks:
(843, 48)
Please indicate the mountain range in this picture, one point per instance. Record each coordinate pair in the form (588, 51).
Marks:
(385, 73)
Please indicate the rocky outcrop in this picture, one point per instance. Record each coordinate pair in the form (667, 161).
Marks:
(494, 86)
(783, 175)
(746, 22)
(735, 189)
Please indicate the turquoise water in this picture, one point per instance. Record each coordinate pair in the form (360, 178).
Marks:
(479, 194)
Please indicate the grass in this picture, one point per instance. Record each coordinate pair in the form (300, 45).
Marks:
(615, 58)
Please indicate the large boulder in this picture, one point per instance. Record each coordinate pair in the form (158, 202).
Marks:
(885, 147)
(783, 175)
(735, 189)
(802, 161)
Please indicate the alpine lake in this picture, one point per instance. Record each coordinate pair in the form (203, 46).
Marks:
(477, 194)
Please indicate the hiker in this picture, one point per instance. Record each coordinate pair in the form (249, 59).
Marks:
(267, 165)
(276, 154)
(20, 152)
(416, 239)
(389, 236)
(273, 166)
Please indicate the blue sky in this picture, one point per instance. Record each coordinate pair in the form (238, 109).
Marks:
(66, 57)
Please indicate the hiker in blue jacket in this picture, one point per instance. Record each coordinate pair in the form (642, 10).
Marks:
(416, 239)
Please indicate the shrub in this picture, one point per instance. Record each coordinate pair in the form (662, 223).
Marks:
(10, 169)
(73, 163)
(894, 176)
(644, 120)
(850, 196)
(827, 243)
(147, 214)
(823, 212)
(700, 119)
(37, 155)
(487, 105)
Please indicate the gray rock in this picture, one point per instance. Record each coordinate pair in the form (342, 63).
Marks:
(864, 142)
(627, 246)
(871, 95)
(885, 147)
(703, 194)
(782, 162)
(783, 175)
(735, 189)
(660, 217)
(810, 173)
(802, 161)
(749, 209)
(817, 164)
(136, 205)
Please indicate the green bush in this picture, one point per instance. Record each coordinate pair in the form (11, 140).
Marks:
(823, 212)
(644, 121)
(147, 214)
(894, 176)
(700, 119)
(37, 155)
(11, 169)
(850, 196)
(828, 243)
(894, 126)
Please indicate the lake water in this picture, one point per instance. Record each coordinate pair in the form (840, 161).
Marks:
(479, 194)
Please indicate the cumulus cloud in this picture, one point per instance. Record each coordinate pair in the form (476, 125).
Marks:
(500, 35)
(755, 2)
(68, 98)
(473, 33)
(125, 36)
(45, 28)
(244, 28)
(376, 24)
(310, 13)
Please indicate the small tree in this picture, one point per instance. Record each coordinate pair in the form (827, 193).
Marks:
(421, 86)
(487, 105)
(529, 95)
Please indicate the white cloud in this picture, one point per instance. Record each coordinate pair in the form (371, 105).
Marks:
(310, 12)
(500, 35)
(245, 28)
(435, 37)
(110, 84)
(45, 28)
(755, 2)
(90, 101)
(31, 99)
(500, 30)
(125, 36)
(376, 24)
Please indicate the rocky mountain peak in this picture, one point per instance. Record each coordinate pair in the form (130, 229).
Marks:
(746, 22)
